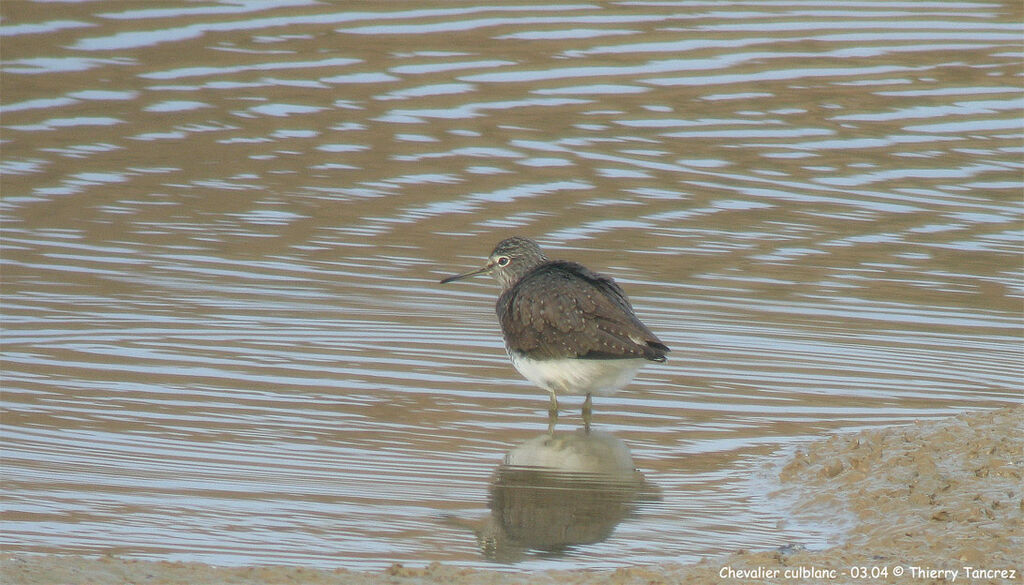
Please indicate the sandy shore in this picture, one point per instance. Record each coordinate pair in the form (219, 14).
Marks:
(925, 499)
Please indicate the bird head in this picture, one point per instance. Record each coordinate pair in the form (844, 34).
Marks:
(510, 260)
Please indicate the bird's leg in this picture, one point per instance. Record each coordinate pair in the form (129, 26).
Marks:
(586, 413)
(552, 413)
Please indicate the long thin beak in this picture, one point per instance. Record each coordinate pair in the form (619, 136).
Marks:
(466, 275)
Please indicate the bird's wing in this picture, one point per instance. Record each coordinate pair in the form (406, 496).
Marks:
(561, 310)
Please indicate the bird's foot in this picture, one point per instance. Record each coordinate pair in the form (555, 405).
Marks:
(552, 414)
(587, 411)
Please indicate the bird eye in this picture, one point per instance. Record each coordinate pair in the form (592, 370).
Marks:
(504, 260)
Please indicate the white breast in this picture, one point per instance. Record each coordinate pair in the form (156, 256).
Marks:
(577, 376)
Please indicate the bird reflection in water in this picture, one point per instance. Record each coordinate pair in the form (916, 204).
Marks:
(555, 491)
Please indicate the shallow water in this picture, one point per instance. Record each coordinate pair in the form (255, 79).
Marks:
(224, 224)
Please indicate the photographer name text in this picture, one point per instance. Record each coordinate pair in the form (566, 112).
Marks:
(964, 573)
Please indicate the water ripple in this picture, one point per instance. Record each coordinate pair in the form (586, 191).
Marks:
(223, 334)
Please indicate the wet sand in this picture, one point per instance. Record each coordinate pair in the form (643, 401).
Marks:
(923, 500)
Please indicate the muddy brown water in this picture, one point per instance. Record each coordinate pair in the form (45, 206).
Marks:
(224, 224)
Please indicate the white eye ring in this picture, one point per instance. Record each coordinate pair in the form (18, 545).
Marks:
(503, 261)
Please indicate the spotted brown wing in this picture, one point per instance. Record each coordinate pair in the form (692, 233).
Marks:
(563, 310)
